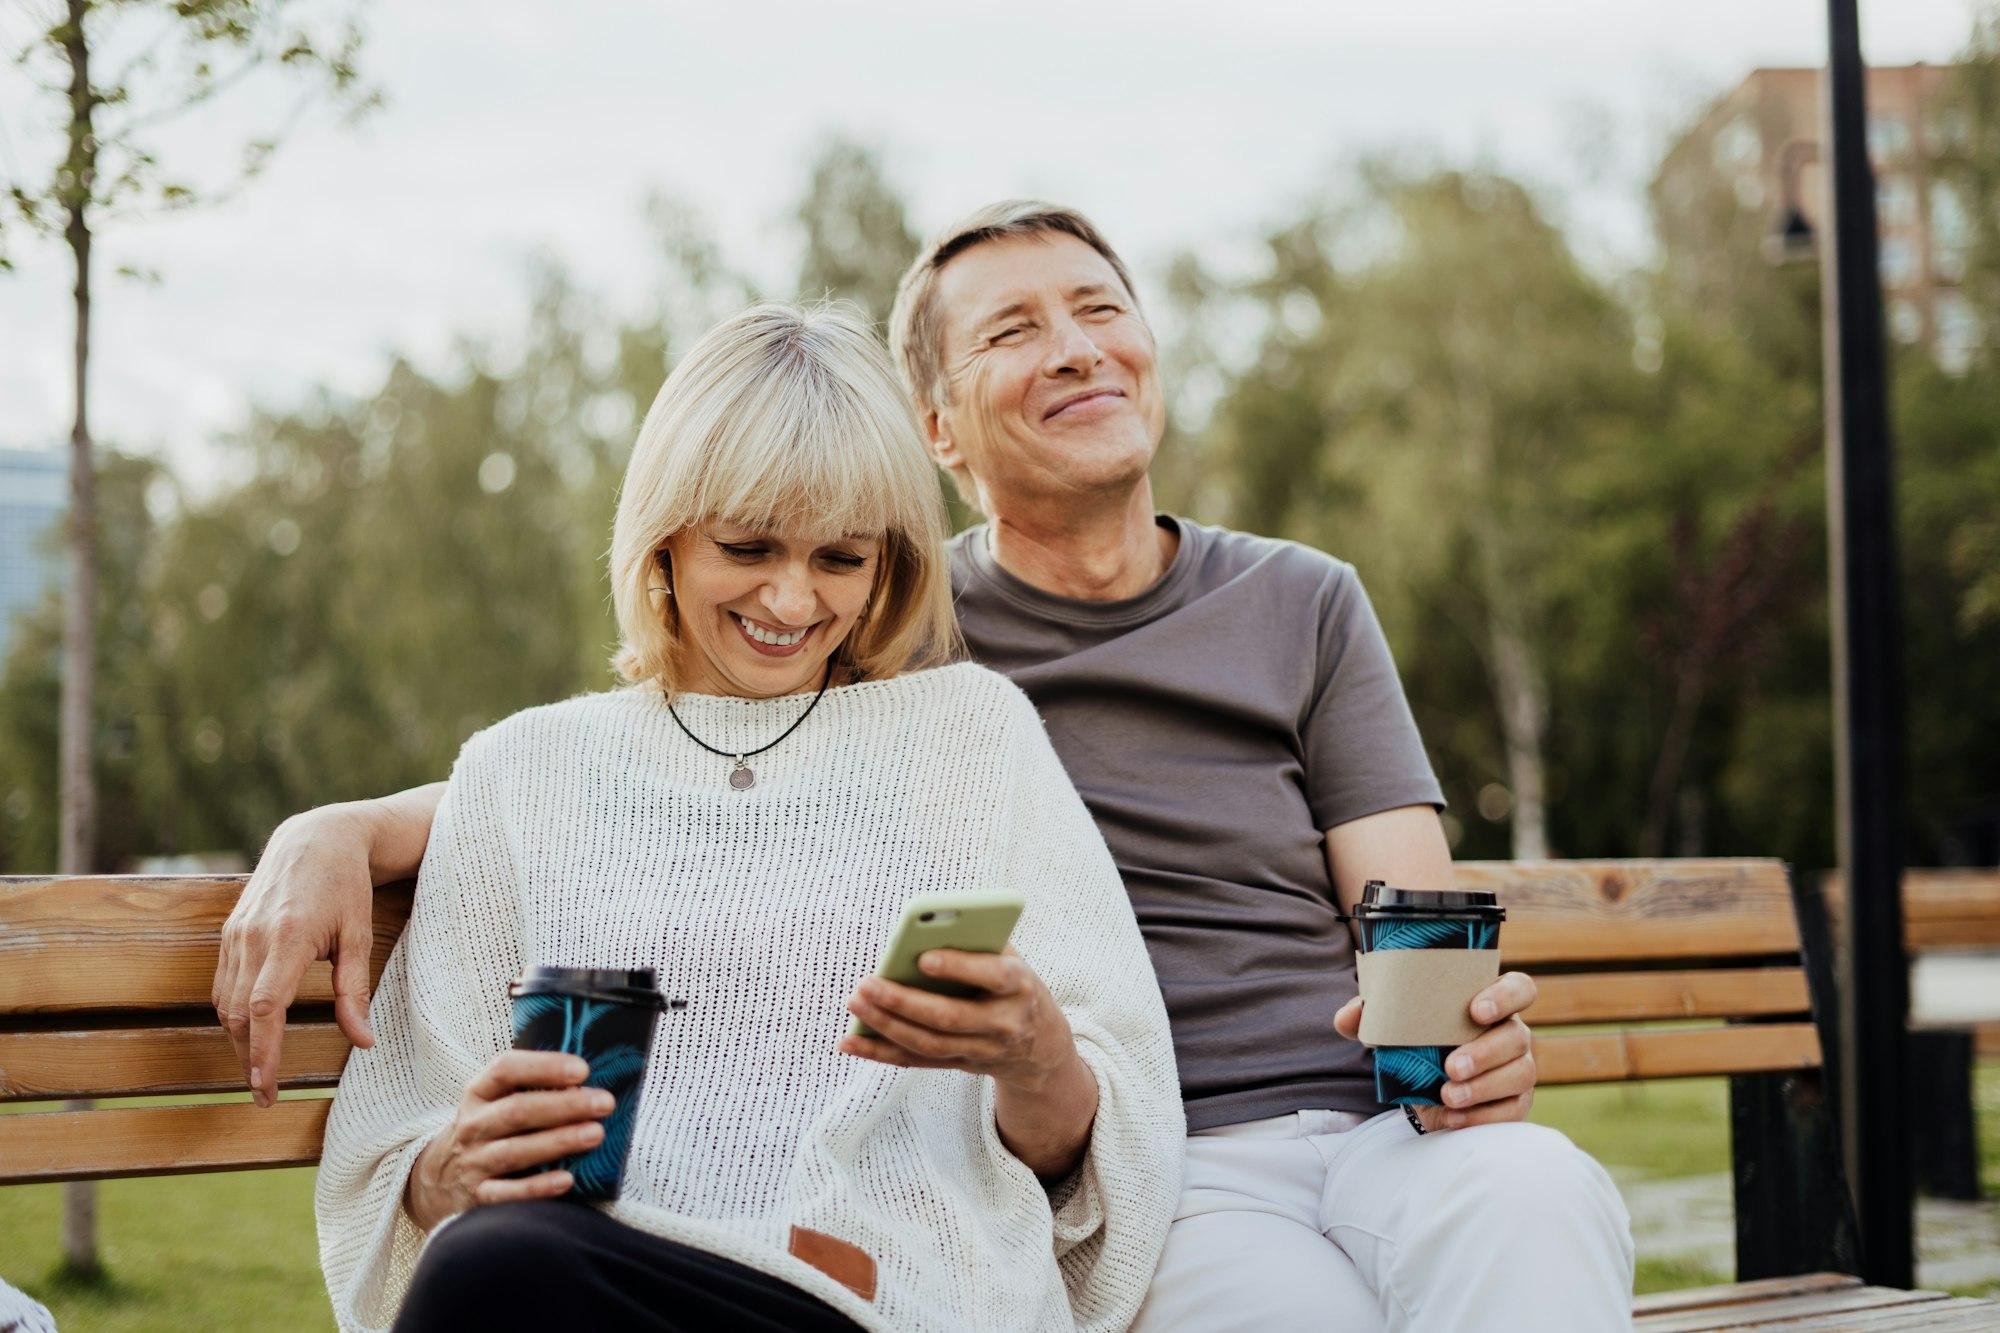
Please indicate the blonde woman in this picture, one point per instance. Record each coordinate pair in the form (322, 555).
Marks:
(794, 757)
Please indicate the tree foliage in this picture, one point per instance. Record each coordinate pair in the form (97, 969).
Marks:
(1623, 473)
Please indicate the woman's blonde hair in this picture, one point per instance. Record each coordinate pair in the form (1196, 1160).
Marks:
(786, 419)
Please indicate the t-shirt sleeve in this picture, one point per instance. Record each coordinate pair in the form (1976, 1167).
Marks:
(1362, 751)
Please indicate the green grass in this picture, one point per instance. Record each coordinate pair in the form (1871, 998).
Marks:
(237, 1251)
(231, 1251)
(1658, 1130)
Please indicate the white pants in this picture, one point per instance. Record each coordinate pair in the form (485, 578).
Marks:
(1338, 1221)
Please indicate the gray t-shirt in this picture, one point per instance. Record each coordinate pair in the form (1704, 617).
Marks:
(1215, 724)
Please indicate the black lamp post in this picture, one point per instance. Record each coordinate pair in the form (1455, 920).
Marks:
(1867, 636)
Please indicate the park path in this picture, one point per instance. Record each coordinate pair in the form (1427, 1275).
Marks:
(1689, 1219)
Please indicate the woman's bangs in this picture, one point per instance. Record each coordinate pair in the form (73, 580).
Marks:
(818, 480)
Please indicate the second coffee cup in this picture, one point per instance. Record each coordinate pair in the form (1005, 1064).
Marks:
(1424, 955)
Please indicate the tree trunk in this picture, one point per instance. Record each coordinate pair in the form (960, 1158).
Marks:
(77, 825)
(1517, 688)
(1516, 680)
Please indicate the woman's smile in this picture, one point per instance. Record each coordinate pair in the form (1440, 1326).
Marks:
(770, 641)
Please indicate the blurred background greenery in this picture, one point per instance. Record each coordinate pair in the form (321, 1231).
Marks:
(1590, 508)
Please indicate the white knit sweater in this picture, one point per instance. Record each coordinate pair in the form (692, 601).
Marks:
(593, 833)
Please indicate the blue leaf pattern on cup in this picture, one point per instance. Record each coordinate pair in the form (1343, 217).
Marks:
(617, 1069)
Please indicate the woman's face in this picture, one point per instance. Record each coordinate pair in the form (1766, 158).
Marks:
(761, 612)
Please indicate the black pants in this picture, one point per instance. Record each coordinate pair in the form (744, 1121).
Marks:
(555, 1264)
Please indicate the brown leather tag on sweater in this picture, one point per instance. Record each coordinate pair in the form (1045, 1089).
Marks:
(849, 1265)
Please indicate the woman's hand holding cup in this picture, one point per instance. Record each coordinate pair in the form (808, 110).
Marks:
(523, 1110)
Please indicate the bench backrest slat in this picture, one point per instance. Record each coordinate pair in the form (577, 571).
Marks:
(160, 1140)
(1631, 997)
(1598, 912)
(1639, 1053)
(1942, 909)
(104, 993)
(66, 1064)
(109, 942)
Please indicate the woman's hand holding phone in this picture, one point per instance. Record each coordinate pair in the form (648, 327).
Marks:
(1013, 1031)
(524, 1109)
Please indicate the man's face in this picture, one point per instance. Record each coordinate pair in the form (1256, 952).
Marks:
(1054, 390)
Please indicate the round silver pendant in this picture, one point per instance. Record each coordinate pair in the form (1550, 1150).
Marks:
(742, 778)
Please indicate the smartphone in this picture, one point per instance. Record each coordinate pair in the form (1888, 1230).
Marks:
(977, 922)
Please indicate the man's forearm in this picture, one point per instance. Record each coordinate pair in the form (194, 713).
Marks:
(397, 829)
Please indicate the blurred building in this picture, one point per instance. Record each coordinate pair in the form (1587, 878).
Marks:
(1760, 142)
(34, 491)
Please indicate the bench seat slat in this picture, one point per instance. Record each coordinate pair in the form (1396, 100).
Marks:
(1627, 997)
(1611, 911)
(1846, 1308)
(1954, 1314)
(1738, 1293)
(1639, 1053)
(140, 1062)
(108, 942)
(160, 1140)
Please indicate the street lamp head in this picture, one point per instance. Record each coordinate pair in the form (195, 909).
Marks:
(1791, 241)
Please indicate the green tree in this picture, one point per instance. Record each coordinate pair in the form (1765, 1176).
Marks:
(187, 52)
(857, 237)
(1425, 410)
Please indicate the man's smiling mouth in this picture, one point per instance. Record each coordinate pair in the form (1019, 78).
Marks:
(1074, 400)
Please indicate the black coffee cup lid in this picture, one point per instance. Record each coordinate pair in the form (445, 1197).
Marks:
(1387, 898)
(636, 985)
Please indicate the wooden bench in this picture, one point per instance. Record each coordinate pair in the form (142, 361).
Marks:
(1648, 970)
(1947, 914)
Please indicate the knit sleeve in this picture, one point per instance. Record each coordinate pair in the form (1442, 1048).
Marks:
(1110, 1216)
(440, 1014)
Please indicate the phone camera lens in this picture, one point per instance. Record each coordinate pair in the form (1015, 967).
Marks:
(928, 917)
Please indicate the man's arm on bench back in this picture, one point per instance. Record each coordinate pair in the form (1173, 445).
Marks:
(312, 897)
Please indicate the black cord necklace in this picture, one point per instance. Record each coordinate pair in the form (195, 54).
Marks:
(743, 777)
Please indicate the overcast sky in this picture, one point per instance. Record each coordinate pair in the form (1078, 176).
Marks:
(522, 127)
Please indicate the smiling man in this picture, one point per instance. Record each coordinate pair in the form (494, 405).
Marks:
(1228, 709)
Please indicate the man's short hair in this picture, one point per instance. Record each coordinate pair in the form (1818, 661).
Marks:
(915, 323)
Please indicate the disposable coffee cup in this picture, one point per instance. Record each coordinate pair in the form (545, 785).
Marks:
(605, 1016)
(1424, 955)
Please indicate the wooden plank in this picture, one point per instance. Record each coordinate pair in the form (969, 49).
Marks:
(1642, 1053)
(1942, 909)
(1820, 1309)
(135, 1062)
(1738, 1293)
(1955, 1314)
(160, 1140)
(1626, 997)
(1609, 911)
(137, 941)
(1986, 1041)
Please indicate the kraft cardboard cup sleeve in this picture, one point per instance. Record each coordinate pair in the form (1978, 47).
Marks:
(1424, 955)
(606, 1016)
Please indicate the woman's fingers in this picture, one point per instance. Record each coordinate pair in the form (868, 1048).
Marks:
(513, 1070)
(502, 1157)
(524, 1112)
(994, 973)
(547, 1185)
(921, 1040)
(940, 1013)
(889, 1053)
